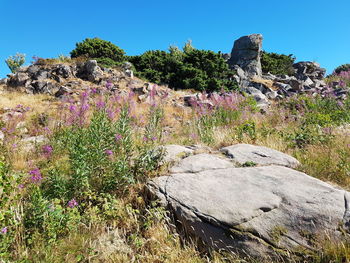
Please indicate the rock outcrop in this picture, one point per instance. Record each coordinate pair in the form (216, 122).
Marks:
(57, 79)
(246, 54)
(308, 76)
(262, 212)
(258, 155)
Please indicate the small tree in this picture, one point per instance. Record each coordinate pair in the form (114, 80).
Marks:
(15, 62)
(341, 68)
(277, 64)
(103, 51)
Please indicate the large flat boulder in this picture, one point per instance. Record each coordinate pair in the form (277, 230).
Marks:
(263, 212)
(260, 155)
(201, 162)
(174, 153)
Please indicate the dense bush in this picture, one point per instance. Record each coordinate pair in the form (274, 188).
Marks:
(341, 68)
(15, 62)
(103, 51)
(277, 64)
(187, 69)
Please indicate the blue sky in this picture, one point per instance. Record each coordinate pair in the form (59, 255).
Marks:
(315, 30)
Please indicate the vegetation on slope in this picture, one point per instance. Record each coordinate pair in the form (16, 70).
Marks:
(84, 186)
(277, 64)
(79, 195)
(105, 52)
(202, 70)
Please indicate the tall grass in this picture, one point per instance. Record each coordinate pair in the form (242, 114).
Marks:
(79, 196)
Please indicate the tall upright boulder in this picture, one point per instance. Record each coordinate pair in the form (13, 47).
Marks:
(246, 54)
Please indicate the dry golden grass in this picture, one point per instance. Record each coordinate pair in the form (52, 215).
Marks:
(157, 242)
(268, 83)
(38, 103)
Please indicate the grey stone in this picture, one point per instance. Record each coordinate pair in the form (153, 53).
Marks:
(33, 69)
(127, 65)
(35, 139)
(63, 90)
(243, 153)
(39, 86)
(63, 71)
(271, 95)
(309, 69)
(19, 79)
(174, 153)
(319, 83)
(260, 86)
(259, 97)
(259, 212)
(2, 136)
(41, 75)
(3, 81)
(113, 241)
(308, 82)
(129, 73)
(30, 143)
(295, 84)
(201, 162)
(226, 56)
(246, 54)
(190, 99)
(90, 71)
(240, 72)
(269, 76)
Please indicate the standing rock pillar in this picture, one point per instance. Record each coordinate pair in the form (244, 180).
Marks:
(246, 54)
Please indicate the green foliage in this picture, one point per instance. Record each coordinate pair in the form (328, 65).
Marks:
(320, 111)
(104, 51)
(277, 64)
(48, 217)
(15, 62)
(248, 128)
(226, 112)
(188, 69)
(344, 67)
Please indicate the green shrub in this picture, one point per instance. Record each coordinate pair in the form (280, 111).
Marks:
(277, 64)
(191, 68)
(106, 52)
(344, 67)
(15, 62)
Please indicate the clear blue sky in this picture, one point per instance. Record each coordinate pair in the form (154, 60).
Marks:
(316, 30)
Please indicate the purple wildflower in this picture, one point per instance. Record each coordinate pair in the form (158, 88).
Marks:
(85, 107)
(110, 113)
(47, 150)
(3, 230)
(100, 105)
(72, 108)
(109, 152)
(72, 203)
(109, 84)
(84, 94)
(36, 176)
(21, 186)
(118, 137)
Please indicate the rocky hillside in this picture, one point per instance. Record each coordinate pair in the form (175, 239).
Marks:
(97, 165)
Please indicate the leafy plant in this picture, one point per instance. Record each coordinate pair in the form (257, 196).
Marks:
(277, 64)
(15, 62)
(104, 51)
(341, 68)
(188, 69)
